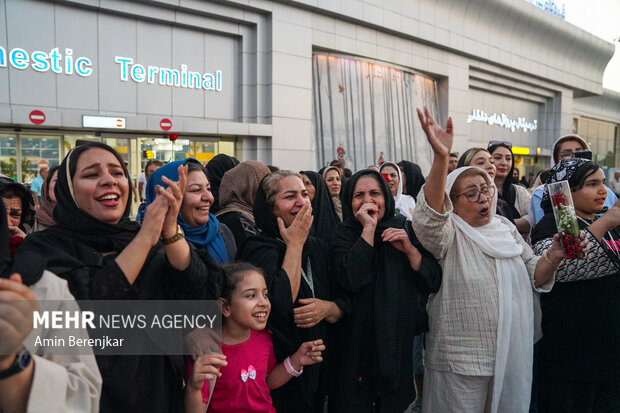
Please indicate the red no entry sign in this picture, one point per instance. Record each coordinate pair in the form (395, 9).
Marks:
(37, 117)
(165, 124)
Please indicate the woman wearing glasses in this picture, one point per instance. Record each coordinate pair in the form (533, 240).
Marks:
(517, 197)
(480, 341)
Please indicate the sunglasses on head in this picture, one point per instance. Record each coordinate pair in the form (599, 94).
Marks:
(500, 143)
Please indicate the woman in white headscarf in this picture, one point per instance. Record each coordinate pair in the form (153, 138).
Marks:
(404, 203)
(479, 347)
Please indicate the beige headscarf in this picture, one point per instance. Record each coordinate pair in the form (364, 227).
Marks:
(335, 198)
(238, 188)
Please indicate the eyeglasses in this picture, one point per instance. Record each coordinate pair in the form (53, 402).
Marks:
(500, 143)
(473, 195)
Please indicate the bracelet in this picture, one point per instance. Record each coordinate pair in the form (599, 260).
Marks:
(290, 369)
(546, 257)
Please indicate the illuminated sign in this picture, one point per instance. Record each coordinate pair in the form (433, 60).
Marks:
(551, 6)
(516, 150)
(68, 64)
(502, 120)
(110, 122)
(44, 61)
(168, 77)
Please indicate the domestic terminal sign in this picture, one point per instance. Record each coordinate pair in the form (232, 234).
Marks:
(67, 63)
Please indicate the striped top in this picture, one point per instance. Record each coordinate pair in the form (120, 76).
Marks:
(464, 313)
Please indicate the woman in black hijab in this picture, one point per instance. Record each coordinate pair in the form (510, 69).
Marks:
(325, 218)
(216, 168)
(380, 263)
(413, 178)
(104, 255)
(296, 270)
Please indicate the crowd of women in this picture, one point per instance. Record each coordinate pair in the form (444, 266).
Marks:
(332, 291)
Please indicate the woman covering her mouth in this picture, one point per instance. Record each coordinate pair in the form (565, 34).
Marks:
(296, 267)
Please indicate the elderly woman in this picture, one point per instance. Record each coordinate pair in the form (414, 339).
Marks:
(237, 192)
(19, 207)
(383, 269)
(296, 269)
(44, 217)
(579, 352)
(104, 255)
(199, 225)
(480, 342)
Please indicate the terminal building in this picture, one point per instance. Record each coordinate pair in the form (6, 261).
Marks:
(295, 83)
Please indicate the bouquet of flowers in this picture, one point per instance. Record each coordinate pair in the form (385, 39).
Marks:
(565, 217)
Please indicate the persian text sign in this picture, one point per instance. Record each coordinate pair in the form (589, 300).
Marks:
(502, 120)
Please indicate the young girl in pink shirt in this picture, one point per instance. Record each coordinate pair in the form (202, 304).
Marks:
(247, 369)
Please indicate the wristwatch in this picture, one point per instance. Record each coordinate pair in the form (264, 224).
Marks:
(174, 238)
(21, 362)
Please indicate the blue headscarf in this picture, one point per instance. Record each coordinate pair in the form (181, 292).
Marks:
(206, 235)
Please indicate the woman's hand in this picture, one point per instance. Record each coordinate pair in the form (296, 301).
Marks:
(556, 252)
(153, 221)
(309, 353)
(206, 368)
(400, 240)
(313, 311)
(612, 216)
(17, 304)
(174, 195)
(297, 233)
(440, 139)
(16, 232)
(367, 215)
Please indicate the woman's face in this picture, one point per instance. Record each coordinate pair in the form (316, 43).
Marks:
(392, 173)
(100, 185)
(52, 185)
(309, 186)
(590, 199)
(197, 199)
(333, 182)
(368, 190)
(291, 197)
(502, 159)
(482, 159)
(477, 213)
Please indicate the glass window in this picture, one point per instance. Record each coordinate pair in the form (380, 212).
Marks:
(8, 155)
(71, 140)
(36, 151)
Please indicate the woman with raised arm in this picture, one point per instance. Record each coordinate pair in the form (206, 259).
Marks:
(480, 340)
(104, 255)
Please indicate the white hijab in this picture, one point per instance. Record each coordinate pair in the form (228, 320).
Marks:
(515, 331)
(404, 203)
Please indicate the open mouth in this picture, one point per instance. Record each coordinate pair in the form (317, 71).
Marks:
(484, 212)
(262, 315)
(109, 199)
(204, 208)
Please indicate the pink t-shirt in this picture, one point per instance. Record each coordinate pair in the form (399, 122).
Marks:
(252, 361)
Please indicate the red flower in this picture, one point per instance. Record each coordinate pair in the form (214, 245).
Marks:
(173, 136)
(559, 199)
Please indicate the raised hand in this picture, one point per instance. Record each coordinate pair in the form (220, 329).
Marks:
(206, 368)
(308, 353)
(174, 194)
(440, 139)
(367, 215)
(17, 304)
(297, 233)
